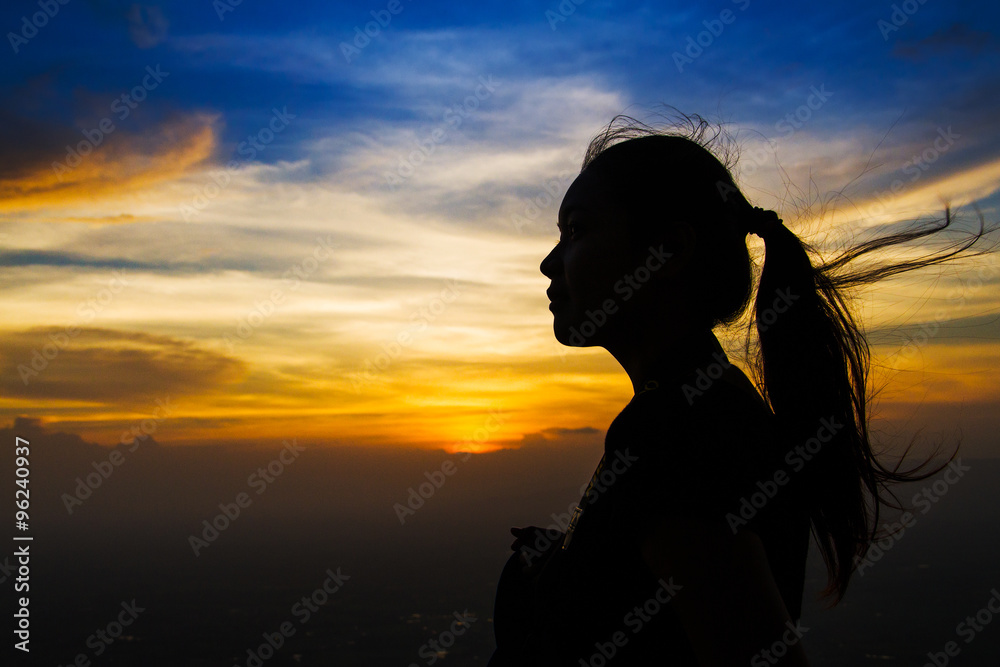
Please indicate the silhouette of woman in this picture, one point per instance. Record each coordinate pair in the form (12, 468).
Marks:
(689, 545)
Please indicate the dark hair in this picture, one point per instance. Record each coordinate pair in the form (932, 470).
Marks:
(812, 361)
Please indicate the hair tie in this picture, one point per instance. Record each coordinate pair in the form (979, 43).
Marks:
(761, 222)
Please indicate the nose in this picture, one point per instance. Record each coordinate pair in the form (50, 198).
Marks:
(550, 264)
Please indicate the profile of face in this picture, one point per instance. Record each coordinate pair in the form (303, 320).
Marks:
(600, 280)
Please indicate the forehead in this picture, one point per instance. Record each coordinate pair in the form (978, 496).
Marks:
(586, 192)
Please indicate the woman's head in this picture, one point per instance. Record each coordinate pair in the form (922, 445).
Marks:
(653, 232)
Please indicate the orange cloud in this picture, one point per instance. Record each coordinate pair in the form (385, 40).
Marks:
(943, 374)
(123, 163)
(108, 366)
(111, 219)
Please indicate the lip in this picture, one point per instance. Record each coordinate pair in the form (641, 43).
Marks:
(556, 305)
(555, 296)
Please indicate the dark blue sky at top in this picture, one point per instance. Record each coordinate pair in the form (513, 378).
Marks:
(939, 67)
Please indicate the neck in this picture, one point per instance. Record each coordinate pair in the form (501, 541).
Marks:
(669, 359)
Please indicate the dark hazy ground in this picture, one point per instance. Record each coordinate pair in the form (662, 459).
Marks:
(333, 509)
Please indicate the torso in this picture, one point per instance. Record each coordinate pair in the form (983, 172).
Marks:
(682, 443)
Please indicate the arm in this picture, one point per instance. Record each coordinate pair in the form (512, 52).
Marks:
(729, 603)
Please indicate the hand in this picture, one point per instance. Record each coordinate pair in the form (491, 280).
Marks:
(534, 543)
(535, 538)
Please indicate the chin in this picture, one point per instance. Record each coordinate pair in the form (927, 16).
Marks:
(562, 337)
(573, 332)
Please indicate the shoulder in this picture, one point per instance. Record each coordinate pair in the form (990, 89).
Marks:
(721, 419)
(694, 458)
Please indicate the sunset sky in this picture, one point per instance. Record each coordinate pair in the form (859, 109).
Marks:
(240, 210)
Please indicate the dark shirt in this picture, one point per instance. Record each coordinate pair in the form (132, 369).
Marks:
(702, 444)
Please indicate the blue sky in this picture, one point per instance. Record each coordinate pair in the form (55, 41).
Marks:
(936, 68)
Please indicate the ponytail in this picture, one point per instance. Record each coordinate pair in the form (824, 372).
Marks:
(812, 365)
